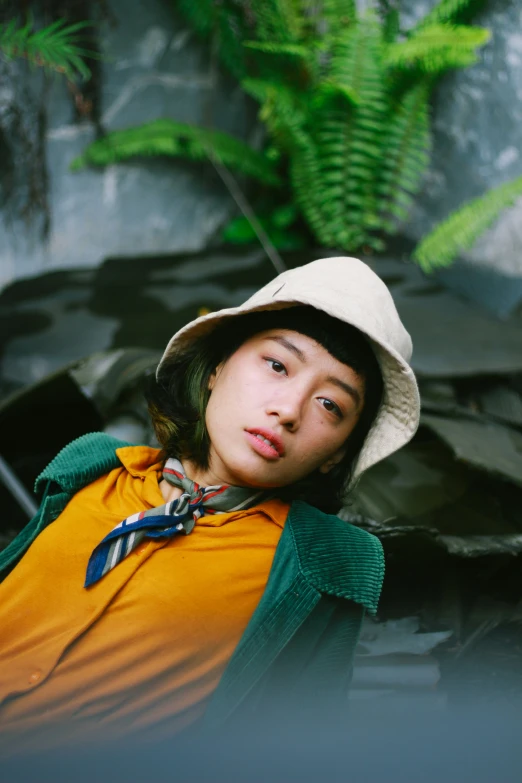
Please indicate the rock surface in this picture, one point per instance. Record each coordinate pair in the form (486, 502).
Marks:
(51, 218)
(478, 137)
(152, 67)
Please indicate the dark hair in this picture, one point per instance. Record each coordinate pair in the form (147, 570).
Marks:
(178, 398)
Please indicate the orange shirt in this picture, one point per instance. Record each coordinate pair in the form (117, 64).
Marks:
(147, 644)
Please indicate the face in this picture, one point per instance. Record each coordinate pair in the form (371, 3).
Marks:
(280, 407)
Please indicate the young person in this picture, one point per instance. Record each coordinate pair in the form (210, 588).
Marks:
(158, 589)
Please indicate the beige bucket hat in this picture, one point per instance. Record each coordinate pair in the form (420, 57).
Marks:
(347, 289)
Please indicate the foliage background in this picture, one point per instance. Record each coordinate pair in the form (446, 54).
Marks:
(138, 81)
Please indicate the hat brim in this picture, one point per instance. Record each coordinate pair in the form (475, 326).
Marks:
(398, 416)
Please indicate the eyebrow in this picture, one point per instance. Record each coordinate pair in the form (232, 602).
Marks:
(351, 390)
(290, 346)
(346, 387)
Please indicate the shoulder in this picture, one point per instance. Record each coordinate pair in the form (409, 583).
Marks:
(81, 462)
(336, 557)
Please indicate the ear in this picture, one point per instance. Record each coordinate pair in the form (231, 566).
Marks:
(213, 376)
(333, 460)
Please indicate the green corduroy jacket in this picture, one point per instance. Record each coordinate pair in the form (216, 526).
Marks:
(301, 639)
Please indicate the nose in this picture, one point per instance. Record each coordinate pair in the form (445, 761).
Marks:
(288, 406)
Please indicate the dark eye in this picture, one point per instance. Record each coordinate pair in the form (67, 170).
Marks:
(330, 406)
(276, 366)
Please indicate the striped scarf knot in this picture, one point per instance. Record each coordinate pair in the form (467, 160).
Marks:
(173, 518)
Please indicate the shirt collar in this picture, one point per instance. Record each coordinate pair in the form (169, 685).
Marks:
(141, 460)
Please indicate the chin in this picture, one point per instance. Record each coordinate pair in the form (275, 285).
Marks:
(253, 476)
(245, 479)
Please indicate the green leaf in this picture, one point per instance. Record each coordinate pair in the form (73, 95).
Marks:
(54, 47)
(462, 229)
(178, 140)
(284, 216)
(338, 13)
(406, 152)
(329, 91)
(438, 47)
(240, 232)
(446, 11)
(278, 20)
(267, 47)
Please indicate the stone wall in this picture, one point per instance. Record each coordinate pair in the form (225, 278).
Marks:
(478, 137)
(153, 67)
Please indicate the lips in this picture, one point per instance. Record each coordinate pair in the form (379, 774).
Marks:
(266, 442)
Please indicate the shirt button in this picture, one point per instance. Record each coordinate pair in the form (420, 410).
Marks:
(35, 676)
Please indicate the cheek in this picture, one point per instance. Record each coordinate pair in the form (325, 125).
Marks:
(322, 442)
(235, 386)
(223, 405)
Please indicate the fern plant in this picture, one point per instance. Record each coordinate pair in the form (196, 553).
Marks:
(464, 226)
(178, 140)
(345, 99)
(55, 47)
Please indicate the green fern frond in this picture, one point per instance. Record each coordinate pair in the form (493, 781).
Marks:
(391, 21)
(178, 140)
(438, 48)
(269, 47)
(283, 111)
(349, 139)
(446, 11)
(278, 20)
(260, 89)
(332, 19)
(338, 14)
(328, 92)
(406, 155)
(55, 47)
(462, 229)
(333, 172)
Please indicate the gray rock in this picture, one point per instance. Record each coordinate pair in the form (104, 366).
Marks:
(451, 337)
(478, 138)
(485, 445)
(28, 359)
(60, 317)
(397, 636)
(152, 67)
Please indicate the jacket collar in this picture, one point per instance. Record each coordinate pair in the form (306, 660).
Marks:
(333, 556)
(336, 557)
(81, 462)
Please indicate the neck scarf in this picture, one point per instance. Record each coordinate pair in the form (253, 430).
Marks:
(175, 517)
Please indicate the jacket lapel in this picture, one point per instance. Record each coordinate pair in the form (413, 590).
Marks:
(80, 462)
(287, 601)
(318, 554)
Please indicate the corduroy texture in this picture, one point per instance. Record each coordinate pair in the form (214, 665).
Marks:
(311, 674)
(346, 289)
(81, 461)
(335, 557)
(345, 561)
(149, 644)
(77, 464)
(309, 617)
